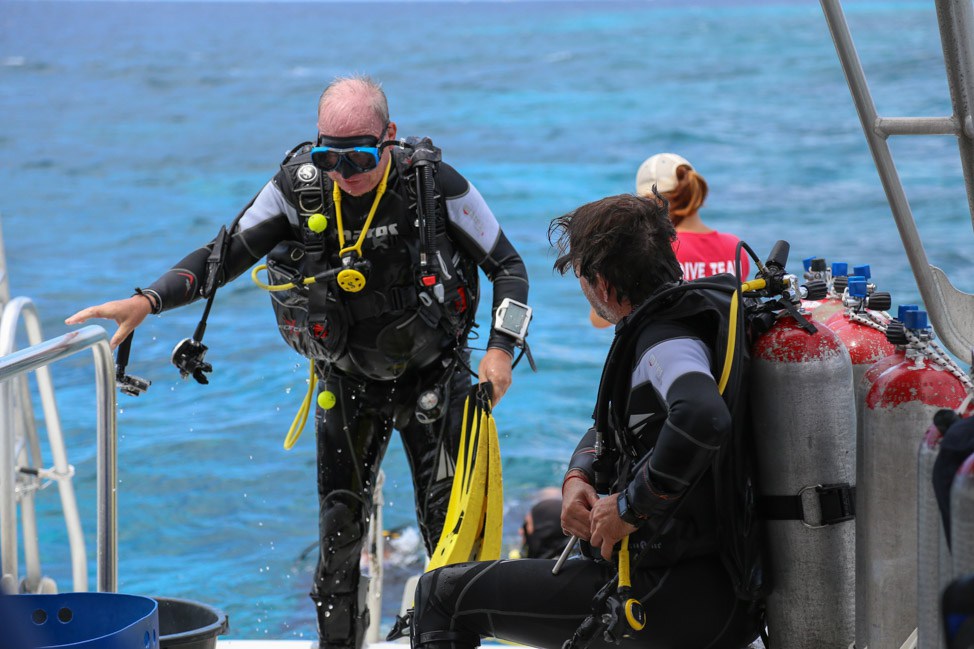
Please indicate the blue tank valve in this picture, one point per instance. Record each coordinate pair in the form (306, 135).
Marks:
(904, 309)
(857, 286)
(915, 319)
(840, 269)
(862, 270)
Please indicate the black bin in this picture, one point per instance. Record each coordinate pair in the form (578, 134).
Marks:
(185, 624)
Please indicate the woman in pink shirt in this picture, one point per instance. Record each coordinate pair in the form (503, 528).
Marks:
(701, 250)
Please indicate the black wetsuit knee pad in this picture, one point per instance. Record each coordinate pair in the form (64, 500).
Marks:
(343, 521)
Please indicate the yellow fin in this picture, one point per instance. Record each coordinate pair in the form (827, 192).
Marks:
(493, 534)
(465, 513)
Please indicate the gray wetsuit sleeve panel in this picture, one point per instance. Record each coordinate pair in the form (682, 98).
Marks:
(664, 362)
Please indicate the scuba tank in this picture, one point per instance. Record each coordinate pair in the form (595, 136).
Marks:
(895, 336)
(897, 409)
(815, 268)
(835, 279)
(861, 325)
(894, 333)
(803, 416)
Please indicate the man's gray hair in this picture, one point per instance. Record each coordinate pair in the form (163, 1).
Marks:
(337, 99)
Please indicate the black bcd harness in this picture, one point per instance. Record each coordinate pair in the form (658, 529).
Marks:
(740, 537)
(437, 306)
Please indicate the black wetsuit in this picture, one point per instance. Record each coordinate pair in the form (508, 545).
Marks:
(955, 447)
(374, 392)
(673, 421)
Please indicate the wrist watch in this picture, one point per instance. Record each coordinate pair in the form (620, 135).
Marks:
(626, 512)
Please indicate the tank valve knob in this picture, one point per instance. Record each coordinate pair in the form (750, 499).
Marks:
(896, 333)
(879, 301)
(840, 283)
(815, 289)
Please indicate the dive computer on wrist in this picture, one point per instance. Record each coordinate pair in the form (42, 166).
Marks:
(512, 319)
(626, 512)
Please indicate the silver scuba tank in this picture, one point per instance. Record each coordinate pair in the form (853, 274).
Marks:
(804, 420)
(897, 410)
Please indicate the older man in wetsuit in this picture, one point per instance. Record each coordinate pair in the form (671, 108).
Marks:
(394, 328)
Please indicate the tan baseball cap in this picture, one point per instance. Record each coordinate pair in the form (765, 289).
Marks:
(659, 170)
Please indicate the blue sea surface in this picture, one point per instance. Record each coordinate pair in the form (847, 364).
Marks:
(129, 132)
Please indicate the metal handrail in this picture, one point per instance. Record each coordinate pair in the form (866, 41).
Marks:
(376, 558)
(951, 311)
(40, 356)
(22, 309)
(4, 274)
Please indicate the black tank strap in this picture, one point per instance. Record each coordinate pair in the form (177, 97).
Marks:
(815, 506)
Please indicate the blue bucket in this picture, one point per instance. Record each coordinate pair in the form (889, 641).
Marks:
(78, 621)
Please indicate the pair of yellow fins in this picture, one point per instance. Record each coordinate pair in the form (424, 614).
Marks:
(474, 526)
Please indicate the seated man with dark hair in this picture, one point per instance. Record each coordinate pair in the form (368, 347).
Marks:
(652, 572)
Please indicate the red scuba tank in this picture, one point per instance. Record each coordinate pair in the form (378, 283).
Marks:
(897, 410)
(861, 324)
(894, 330)
(804, 421)
(835, 278)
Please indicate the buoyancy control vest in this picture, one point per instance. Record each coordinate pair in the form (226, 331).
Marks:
(420, 293)
(711, 308)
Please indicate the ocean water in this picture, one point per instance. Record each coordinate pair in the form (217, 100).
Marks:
(129, 131)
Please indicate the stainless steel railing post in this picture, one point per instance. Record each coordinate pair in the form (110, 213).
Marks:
(42, 355)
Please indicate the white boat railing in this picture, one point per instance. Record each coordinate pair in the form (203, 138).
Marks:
(376, 553)
(4, 275)
(28, 458)
(13, 369)
(951, 311)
